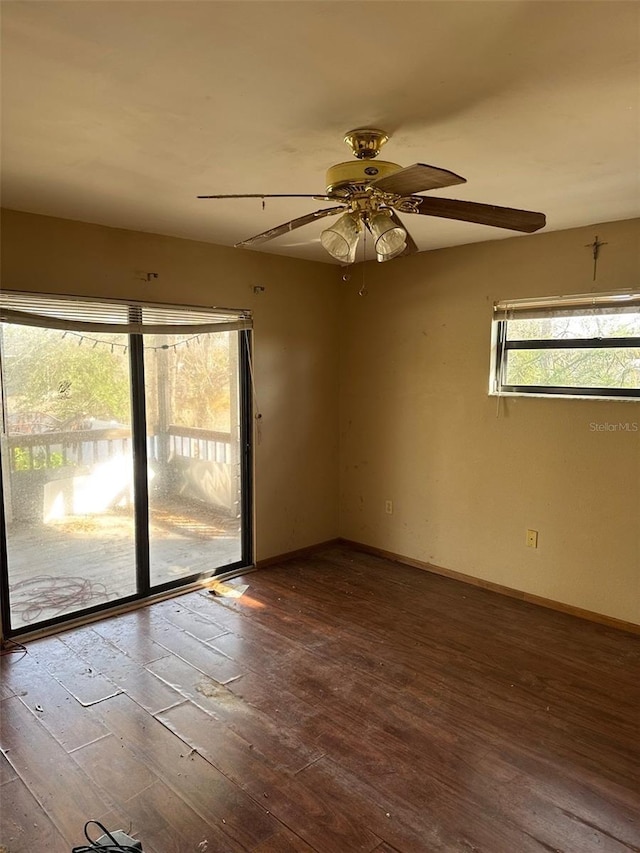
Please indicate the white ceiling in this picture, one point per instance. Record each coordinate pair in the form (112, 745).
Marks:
(121, 113)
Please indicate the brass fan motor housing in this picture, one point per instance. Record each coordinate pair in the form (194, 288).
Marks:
(360, 172)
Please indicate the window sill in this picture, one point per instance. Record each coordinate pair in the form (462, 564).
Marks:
(540, 396)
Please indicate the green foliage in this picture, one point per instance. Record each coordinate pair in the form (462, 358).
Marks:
(22, 461)
(65, 377)
(195, 379)
(624, 325)
(71, 378)
(580, 368)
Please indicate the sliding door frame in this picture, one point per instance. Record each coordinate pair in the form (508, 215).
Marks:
(140, 479)
(245, 391)
(144, 588)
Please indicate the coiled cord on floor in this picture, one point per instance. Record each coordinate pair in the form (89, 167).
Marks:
(32, 596)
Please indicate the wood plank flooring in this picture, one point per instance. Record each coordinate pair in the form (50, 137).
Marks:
(344, 703)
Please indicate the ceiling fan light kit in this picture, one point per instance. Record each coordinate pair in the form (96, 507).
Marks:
(390, 239)
(369, 195)
(341, 239)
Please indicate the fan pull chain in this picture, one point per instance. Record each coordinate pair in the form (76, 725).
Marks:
(363, 290)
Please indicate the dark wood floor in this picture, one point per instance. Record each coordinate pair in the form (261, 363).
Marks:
(344, 703)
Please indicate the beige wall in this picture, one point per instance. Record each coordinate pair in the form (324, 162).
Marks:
(467, 479)
(295, 337)
(416, 424)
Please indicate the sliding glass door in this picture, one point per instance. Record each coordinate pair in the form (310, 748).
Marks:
(68, 472)
(125, 454)
(193, 458)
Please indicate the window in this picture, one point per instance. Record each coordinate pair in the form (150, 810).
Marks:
(586, 345)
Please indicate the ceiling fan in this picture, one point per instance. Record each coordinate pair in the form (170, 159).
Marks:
(370, 195)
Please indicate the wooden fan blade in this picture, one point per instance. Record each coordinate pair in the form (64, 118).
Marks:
(416, 178)
(484, 214)
(290, 226)
(412, 248)
(271, 195)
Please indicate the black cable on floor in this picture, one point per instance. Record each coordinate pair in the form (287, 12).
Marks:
(10, 647)
(108, 848)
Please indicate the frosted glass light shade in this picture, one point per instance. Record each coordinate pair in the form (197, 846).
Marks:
(341, 239)
(395, 254)
(390, 238)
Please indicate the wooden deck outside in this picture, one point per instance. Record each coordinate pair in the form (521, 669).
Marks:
(344, 703)
(79, 561)
(61, 562)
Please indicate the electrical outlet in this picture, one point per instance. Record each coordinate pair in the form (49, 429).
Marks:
(388, 507)
(532, 538)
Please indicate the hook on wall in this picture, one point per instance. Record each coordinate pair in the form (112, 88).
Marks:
(148, 276)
